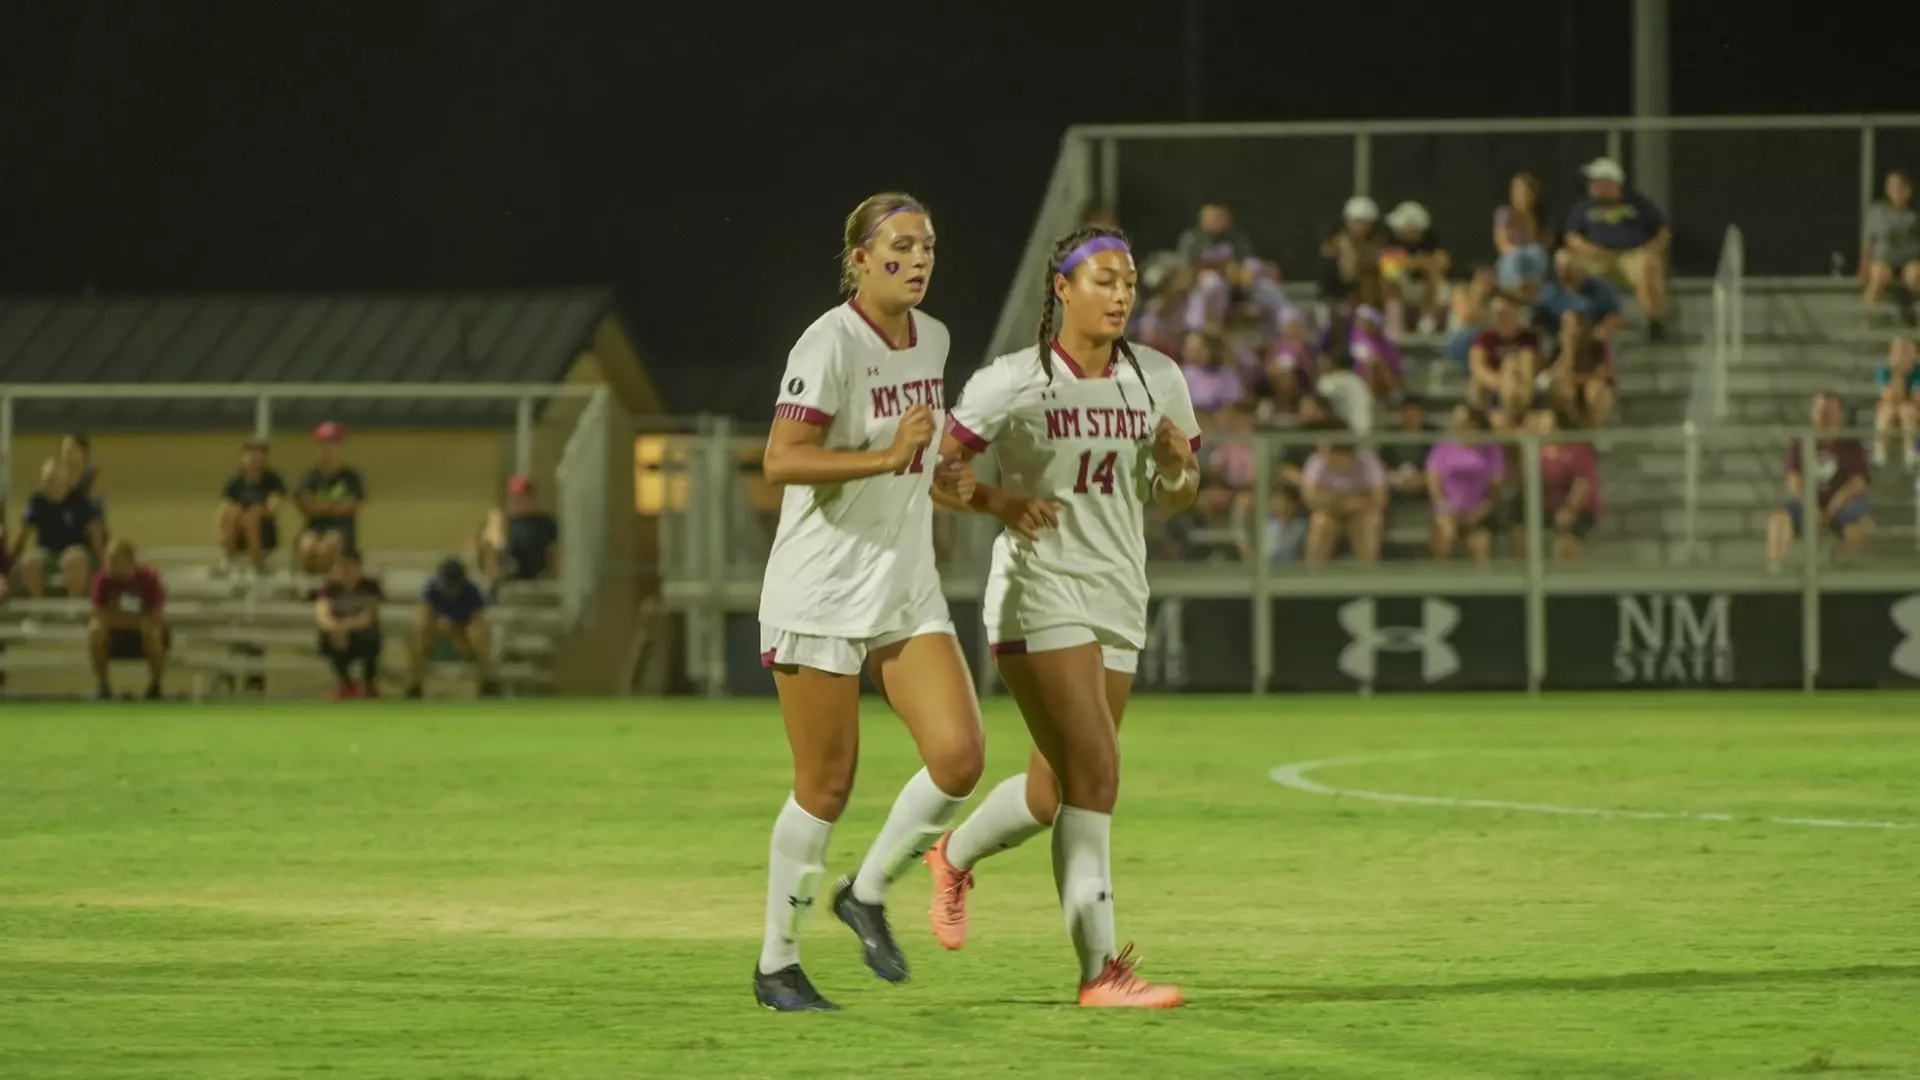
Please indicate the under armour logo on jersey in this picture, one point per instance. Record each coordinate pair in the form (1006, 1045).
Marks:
(795, 385)
(1438, 659)
(873, 372)
(1906, 615)
(796, 902)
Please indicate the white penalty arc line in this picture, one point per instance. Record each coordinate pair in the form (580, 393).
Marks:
(1295, 776)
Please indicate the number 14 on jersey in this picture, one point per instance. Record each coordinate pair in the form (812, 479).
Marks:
(1095, 474)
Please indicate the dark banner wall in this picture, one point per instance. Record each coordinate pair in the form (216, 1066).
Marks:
(1660, 640)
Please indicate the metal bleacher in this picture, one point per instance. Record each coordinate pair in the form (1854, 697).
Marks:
(236, 634)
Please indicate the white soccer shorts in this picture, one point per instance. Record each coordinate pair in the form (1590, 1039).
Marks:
(841, 656)
(1115, 654)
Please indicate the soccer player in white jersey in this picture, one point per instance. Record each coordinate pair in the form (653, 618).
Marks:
(1086, 428)
(851, 582)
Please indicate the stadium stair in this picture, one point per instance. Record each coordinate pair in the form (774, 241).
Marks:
(1802, 335)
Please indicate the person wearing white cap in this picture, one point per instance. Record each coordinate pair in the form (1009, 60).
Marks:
(1620, 234)
(1350, 256)
(1413, 268)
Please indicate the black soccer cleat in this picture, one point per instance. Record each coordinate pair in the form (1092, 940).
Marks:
(869, 922)
(788, 990)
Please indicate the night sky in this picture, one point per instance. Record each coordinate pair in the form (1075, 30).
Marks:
(701, 162)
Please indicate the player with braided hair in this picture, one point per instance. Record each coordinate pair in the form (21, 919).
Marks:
(851, 583)
(1087, 429)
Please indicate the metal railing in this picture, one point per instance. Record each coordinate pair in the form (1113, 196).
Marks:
(1215, 161)
(708, 589)
(263, 395)
(583, 477)
(1724, 348)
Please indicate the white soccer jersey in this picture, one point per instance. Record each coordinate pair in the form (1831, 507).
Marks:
(1086, 444)
(854, 560)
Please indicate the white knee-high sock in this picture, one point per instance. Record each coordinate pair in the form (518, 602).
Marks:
(1001, 821)
(796, 862)
(1083, 872)
(919, 816)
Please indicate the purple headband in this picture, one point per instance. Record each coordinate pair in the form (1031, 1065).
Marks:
(1091, 248)
(910, 208)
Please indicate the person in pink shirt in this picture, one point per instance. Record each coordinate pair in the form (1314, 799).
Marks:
(1463, 479)
(1346, 490)
(1569, 487)
(1227, 475)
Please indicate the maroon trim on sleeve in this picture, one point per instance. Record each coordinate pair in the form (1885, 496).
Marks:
(1194, 442)
(966, 436)
(806, 414)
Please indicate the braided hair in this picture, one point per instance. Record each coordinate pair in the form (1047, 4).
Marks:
(1050, 302)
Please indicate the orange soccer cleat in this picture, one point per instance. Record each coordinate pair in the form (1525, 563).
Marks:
(950, 885)
(1117, 987)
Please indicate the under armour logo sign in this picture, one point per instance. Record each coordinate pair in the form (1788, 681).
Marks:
(1906, 655)
(873, 372)
(794, 901)
(1438, 620)
(795, 385)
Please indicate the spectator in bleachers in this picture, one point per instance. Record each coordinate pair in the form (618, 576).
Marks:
(1622, 235)
(1413, 271)
(1376, 357)
(1346, 394)
(1464, 475)
(1890, 246)
(1282, 535)
(1840, 475)
(1501, 365)
(1899, 405)
(55, 530)
(1406, 462)
(1293, 457)
(1293, 363)
(453, 609)
(1579, 319)
(1225, 269)
(248, 519)
(1569, 487)
(330, 496)
(519, 541)
(1345, 489)
(1227, 472)
(1350, 257)
(128, 620)
(1211, 381)
(76, 454)
(1523, 237)
(347, 613)
(1160, 320)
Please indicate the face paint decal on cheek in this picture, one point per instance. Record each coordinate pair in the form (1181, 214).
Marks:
(893, 268)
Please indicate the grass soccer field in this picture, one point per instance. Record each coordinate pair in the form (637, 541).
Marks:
(559, 890)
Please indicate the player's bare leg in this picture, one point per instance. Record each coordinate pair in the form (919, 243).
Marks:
(925, 680)
(822, 714)
(1018, 809)
(1062, 695)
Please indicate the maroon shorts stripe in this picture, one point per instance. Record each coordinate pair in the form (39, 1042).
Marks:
(766, 658)
(1194, 443)
(1017, 647)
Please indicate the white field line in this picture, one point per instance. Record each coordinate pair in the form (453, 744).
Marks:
(1295, 776)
